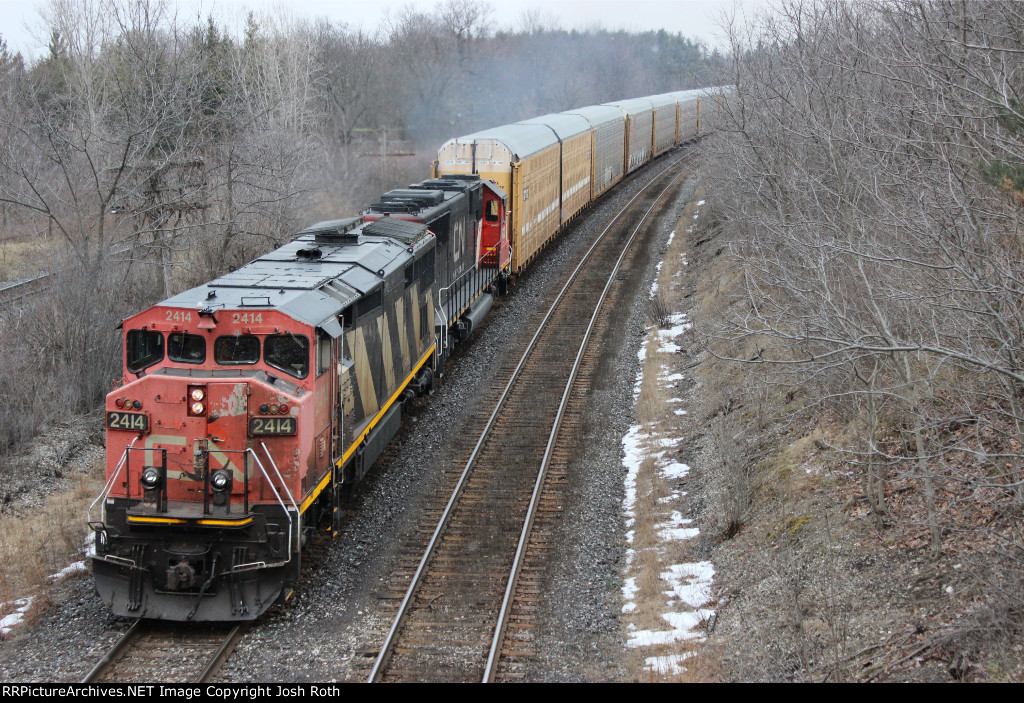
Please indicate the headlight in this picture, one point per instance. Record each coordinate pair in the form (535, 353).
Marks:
(221, 480)
(152, 477)
(196, 401)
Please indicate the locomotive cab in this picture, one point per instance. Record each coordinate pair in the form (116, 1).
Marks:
(494, 248)
(203, 443)
(468, 216)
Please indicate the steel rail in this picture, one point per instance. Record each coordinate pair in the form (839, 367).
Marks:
(138, 630)
(104, 664)
(222, 653)
(506, 603)
(10, 291)
(403, 610)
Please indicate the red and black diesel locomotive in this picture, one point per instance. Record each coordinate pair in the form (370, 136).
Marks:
(250, 403)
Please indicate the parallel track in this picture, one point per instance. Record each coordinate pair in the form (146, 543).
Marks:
(11, 293)
(169, 652)
(467, 589)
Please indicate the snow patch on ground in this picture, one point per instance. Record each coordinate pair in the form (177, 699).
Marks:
(632, 461)
(690, 583)
(9, 622)
(675, 471)
(629, 592)
(75, 568)
(675, 528)
(684, 626)
(654, 286)
(20, 606)
(666, 337)
(668, 665)
(687, 586)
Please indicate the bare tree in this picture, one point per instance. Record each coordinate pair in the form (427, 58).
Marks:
(867, 150)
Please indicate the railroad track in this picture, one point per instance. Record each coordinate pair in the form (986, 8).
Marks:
(471, 597)
(11, 293)
(184, 652)
(168, 652)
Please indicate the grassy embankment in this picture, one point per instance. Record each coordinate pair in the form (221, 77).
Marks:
(39, 536)
(809, 584)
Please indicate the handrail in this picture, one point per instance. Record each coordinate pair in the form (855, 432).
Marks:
(287, 511)
(110, 483)
(443, 345)
(298, 515)
(477, 270)
(279, 477)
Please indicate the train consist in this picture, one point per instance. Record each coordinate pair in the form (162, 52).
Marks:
(249, 405)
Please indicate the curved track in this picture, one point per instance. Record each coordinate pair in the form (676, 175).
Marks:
(466, 590)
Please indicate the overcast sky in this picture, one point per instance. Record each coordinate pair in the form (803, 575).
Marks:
(692, 18)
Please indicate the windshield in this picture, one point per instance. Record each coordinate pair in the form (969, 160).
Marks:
(186, 348)
(237, 349)
(288, 352)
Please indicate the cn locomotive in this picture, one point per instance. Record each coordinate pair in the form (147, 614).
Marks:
(248, 405)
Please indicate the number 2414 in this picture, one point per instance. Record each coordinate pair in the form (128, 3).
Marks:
(247, 317)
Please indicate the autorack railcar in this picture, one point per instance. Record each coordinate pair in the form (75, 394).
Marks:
(576, 143)
(639, 114)
(608, 127)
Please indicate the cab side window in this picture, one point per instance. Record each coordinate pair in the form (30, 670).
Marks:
(143, 348)
(323, 353)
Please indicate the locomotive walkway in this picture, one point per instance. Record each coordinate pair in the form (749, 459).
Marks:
(470, 585)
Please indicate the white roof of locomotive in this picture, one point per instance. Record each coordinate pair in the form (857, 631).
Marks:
(314, 290)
